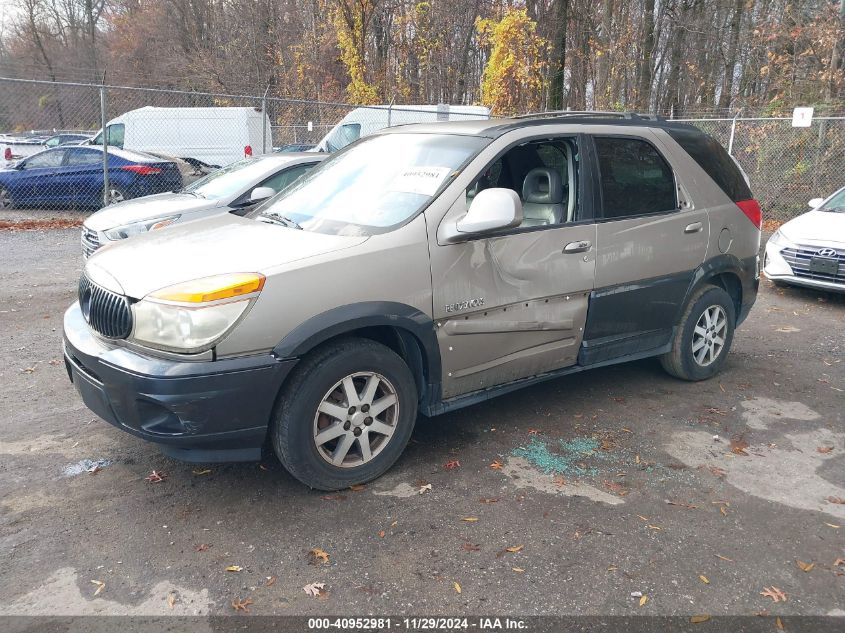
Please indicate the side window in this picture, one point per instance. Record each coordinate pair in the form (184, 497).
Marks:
(285, 178)
(116, 133)
(635, 179)
(542, 173)
(51, 158)
(344, 135)
(77, 157)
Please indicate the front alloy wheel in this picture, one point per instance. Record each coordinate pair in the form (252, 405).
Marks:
(356, 419)
(345, 414)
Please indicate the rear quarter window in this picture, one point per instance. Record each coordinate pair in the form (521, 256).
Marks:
(715, 160)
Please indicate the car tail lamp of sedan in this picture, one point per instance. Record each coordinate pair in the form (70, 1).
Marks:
(7, 155)
(751, 209)
(142, 170)
(247, 151)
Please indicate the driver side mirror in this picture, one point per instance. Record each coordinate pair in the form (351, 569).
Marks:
(490, 210)
(815, 203)
(261, 193)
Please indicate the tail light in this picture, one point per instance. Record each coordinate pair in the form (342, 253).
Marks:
(7, 155)
(247, 151)
(751, 209)
(142, 170)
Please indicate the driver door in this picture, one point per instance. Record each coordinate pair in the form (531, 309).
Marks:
(513, 304)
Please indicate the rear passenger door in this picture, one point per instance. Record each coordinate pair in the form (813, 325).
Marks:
(650, 239)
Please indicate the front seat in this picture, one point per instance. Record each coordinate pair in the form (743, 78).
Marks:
(542, 197)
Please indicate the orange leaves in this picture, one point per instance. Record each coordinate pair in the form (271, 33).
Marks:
(241, 605)
(318, 556)
(774, 593)
(155, 477)
(497, 465)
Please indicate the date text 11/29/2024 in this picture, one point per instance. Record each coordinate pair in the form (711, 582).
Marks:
(416, 624)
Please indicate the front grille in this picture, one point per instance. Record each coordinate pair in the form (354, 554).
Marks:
(799, 260)
(106, 312)
(90, 241)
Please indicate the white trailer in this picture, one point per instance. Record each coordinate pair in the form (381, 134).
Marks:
(202, 136)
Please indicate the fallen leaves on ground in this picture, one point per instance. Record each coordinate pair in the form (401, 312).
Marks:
(100, 586)
(497, 465)
(643, 600)
(514, 548)
(615, 487)
(835, 527)
(452, 465)
(318, 556)
(489, 500)
(234, 568)
(738, 446)
(699, 619)
(805, 567)
(171, 600)
(724, 511)
(357, 487)
(314, 589)
(424, 489)
(824, 449)
(704, 579)
(717, 472)
(241, 605)
(381, 533)
(533, 431)
(457, 587)
(202, 547)
(774, 593)
(559, 481)
(779, 623)
(471, 547)
(333, 497)
(470, 519)
(271, 580)
(730, 560)
(838, 500)
(518, 570)
(838, 562)
(789, 329)
(689, 506)
(204, 471)
(155, 477)
(40, 225)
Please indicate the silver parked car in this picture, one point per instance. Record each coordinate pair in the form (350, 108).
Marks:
(810, 250)
(236, 188)
(421, 269)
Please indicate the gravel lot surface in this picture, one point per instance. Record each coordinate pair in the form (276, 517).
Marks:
(572, 497)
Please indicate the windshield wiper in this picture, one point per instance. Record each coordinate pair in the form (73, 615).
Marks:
(280, 219)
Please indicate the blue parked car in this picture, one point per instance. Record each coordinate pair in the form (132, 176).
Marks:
(73, 177)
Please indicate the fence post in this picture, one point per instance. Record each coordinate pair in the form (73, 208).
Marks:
(733, 131)
(390, 110)
(103, 120)
(264, 116)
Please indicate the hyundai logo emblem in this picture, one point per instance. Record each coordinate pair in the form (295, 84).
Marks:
(826, 252)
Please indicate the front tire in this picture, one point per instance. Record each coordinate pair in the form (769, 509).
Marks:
(704, 336)
(345, 415)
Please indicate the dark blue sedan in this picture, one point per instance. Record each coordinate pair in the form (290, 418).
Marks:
(73, 177)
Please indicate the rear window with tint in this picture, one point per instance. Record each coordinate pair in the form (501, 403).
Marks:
(714, 160)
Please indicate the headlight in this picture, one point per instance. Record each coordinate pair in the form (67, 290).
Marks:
(128, 230)
(780, 239)
(191, 317)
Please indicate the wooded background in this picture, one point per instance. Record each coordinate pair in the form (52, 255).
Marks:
(680, 57)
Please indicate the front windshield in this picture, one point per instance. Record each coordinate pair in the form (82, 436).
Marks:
(380, 182)
(229, 180)
(836, 204)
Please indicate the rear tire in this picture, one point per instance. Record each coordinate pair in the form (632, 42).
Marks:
(703, 337)
(345, 415)
(6, 202)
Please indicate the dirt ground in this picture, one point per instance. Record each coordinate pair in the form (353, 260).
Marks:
(619, 491)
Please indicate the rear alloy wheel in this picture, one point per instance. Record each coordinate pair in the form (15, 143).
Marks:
(5, 199)
(116, 195)
(345, 414)
(703, 336)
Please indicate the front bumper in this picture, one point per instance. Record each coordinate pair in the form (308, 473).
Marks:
(199, 411)
(777, 268)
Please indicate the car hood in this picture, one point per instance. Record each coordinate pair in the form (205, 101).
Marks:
(816, 227)
(211, 246)
(147, 208)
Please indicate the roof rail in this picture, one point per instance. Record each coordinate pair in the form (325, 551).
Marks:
(597, 114)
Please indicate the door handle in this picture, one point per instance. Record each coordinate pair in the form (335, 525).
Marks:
(577, 247)
(695, 227)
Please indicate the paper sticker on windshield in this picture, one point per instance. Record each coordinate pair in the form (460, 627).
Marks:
(422, 180)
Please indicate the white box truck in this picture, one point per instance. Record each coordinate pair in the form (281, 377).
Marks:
(211, 137)
(363, 121)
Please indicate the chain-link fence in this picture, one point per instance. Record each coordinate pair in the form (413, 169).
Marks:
(160, 140)
(196, 132)
(787, 165)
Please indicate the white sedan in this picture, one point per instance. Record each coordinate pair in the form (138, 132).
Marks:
(810, 250)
